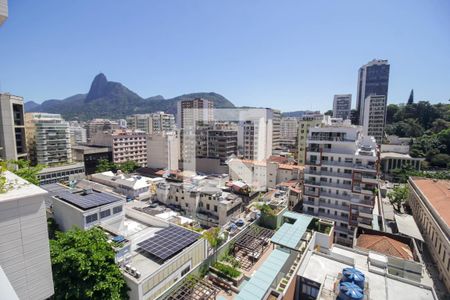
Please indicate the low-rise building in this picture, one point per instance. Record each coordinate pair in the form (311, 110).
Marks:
(91, 156)
(67, 173)
(25, 253)
(394, 160)
(163, 150)
(83, 208)
(131, 186)
(429, 200)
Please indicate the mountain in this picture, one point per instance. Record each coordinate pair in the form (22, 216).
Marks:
(299, 113)
(108, 99)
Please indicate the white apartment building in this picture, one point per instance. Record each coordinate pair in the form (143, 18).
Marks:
(341, 171)
(163, 150)
(126, 145)
(48, 139)
(202, 199)
(429, 200)
(306, 122)
(342, 106)
(375, 117)
(289, 128)
(12, 128)
(83, 208)
(189, 112)
(100, 125)
(78, 134)
(3, 11)
(157, 122)
(25, 253)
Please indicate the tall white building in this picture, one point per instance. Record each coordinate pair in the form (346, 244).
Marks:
(375, 117)
(152, 123)
(3, 11)
(289, 128)
(341, 177)
(48, 138)
(163, 150)
(25, 253)
(342, 106)
(189, 112)
(12, 128)
(77, 134)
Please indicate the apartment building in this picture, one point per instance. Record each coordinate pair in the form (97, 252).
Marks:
(430, 205)
(3, 11)
(25, 252)
(373, 79)
(125, 144)
(48, 139)
(375, 117)
(289, 127)
(306, 122)
(78, 134)
(100, 125)
(275, 116)
(12, 127)
(341, 171)
(202, 199)
(163, 150)
(342, 106)
(189, 112)
(158, 122)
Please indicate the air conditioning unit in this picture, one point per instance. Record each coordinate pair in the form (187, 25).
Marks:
(127, 267)
(133, 271)
(138, 274)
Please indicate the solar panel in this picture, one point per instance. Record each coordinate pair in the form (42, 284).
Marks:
(168, 241)
(86, 200)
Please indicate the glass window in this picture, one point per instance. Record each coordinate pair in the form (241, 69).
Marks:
(105, 213)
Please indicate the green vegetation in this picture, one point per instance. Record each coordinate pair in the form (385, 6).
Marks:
(23, 169)
(227, 270)
(84, 268)
(266, 209)
(401, 175)
(126, 167)
(213, 237)
(398, 196)
(429, 128)
(231, 260)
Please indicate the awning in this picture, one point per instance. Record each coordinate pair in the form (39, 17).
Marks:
(407, 226)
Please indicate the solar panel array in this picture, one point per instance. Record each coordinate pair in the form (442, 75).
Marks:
(86, 201)
(168, 241)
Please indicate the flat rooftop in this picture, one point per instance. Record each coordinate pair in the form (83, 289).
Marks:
(437, 194)
(320, 268)
(18, 188)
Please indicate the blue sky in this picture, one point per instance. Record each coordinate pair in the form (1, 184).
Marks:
(291, 55)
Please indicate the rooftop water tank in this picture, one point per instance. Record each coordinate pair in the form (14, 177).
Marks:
(353, 275)
(350, 291)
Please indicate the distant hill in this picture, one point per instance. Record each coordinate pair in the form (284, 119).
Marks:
(108, 99)
(298, 113)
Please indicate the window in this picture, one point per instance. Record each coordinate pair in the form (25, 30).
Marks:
(215, 208)
(117, 209)
(105, 213)
(207, 206)
(91, 218)
(185, 271)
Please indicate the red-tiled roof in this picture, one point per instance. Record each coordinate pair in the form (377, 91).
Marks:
(278, 159)
(385, 245)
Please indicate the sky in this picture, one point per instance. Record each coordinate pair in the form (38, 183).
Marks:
(289, 55)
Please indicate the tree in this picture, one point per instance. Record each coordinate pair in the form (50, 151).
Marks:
(329, 113)
(84, 268)
(128, 166)
(398, 196)
(104, 165)
(411, 98)
(391, 110)
(23, 169)
(212, 236)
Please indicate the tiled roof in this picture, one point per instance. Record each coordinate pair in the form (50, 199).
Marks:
(385, 245)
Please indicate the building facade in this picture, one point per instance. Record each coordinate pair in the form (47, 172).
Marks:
(78, 134)
(48, 139)
(163, 150)
(25, 251)
(342, 106)
(189, 112)
(373, 79)
(3, 11)
(375, 117)
(152, 123)
(341, 172)
(12, 128)
(91, 156)
(305, 123)
(430, 205)
(126, 145)
(66, 173)
(99, 125)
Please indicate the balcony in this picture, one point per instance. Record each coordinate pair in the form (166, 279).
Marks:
(333, 217)
(362, 202)
(335, 196)
(333, 206)
(336, 185)
(329, 174)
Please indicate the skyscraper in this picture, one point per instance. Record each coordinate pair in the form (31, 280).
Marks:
(342, 105)
(373, 79)
(375, 117)
(12, 128)
(191, 111)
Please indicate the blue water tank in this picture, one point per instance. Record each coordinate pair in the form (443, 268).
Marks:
(350, 291)
(353, 275)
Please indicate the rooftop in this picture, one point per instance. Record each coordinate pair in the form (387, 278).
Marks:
(18, 188)
(290, 233)
(437, 194)
(385, 245)
(398, 155)
(62, 167)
